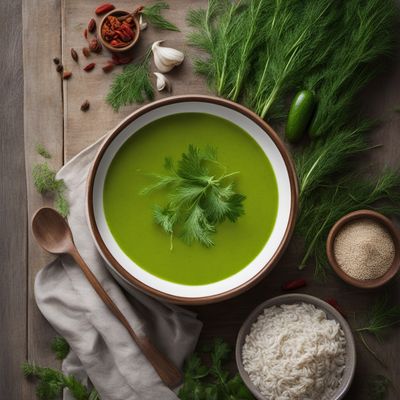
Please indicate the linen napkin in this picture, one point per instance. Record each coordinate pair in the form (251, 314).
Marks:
(101, 348)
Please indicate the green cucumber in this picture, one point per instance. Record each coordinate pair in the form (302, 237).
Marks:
(300, 114)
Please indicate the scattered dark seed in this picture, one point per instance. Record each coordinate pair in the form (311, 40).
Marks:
(74, 55)
(86, 52)
(85, 106)
(89, 67)
(59, 68)
(56, 60)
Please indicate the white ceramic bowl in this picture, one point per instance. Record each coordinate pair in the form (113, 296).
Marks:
(131, 274)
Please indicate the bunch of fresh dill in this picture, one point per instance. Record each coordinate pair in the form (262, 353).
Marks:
(262, 52)
(51, 382)
(199, 197)
(45, 182)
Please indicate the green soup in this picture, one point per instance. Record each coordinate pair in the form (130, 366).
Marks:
(129, 214)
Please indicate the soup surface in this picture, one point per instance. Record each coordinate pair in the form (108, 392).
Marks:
(129, 214)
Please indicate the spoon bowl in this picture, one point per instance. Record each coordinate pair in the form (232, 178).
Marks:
(52, 231)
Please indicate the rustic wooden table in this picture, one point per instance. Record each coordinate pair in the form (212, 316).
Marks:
(38, 108)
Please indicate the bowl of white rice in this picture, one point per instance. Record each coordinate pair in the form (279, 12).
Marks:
(296, 347)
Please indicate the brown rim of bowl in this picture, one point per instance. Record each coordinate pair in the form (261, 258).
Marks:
(282, 246)
(118, 49)
(351, 354)
(388, 225)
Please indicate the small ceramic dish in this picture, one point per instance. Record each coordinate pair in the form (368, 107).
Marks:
(106, 44)
(331, 313)
(388, 225)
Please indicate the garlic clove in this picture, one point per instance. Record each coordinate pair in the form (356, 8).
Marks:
(162, 82)
(166, 58)
(143, 25)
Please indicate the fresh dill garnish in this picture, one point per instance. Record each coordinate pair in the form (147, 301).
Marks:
(212, 381)
(42, 151)
(154, 17)
(200, 196)
(51, 382)
(45, 182)
(132, 85)
(60, 347)
(379, 387)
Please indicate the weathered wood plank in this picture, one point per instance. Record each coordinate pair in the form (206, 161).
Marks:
(80, 128)
(13, 248)
(43, 120)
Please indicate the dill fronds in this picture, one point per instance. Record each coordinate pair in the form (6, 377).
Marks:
(132, 85)
(333, 200)
(379, 387)
(45, 182)
(154, 17)
(60, 347)
(365, 33)
(42, 151)
(198, 199)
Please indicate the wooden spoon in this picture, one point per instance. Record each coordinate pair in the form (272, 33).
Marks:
(52, 232)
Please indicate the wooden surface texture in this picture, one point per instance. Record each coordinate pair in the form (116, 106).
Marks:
(51, 115)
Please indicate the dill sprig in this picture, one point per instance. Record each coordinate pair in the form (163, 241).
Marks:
(42, 151)
(45, 182)
(330, 201)
(379, 387)
(51, 382)
(382, 316)
(154, 17)
(60, 347)
(198, 198)
(132, 85)
(212, 381)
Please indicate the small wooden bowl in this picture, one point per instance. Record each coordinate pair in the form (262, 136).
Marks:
(383, 221)
(107, 45)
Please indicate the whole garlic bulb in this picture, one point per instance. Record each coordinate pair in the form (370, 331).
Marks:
(162, 82)
(166, 58)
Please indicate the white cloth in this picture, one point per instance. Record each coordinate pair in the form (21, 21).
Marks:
(101, 348)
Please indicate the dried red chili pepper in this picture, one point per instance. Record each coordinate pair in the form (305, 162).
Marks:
(104, 8)
(92, 25)
(294, 284)
(118, 43)
(89, 67)
(333, 302)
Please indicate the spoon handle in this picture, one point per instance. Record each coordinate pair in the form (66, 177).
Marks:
(167, 371)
